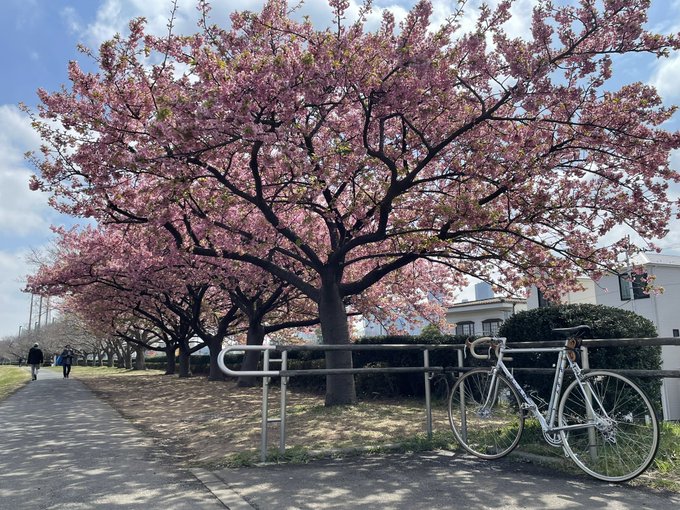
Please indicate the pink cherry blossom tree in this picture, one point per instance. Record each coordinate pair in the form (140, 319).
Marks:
(124, 279)
(338, 156)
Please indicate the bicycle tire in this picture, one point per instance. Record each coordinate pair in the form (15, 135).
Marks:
(488, 432)
(623, 440)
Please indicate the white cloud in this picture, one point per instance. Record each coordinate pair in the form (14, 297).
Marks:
(25, 217)
(22, 211)
(14, 305)
(27, 13)
(113, 16)
(72, 19)
(519, 25)
(665, 78)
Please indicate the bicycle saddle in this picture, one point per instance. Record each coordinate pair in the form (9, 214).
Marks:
(575, 331)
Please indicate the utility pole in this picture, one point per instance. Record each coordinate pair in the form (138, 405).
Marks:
(30, 315)
(40, 312)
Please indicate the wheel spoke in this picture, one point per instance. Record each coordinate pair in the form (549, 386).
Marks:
(487, 420)
(624, 436)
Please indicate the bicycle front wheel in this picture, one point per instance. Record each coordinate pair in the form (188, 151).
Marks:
(485, 414)
(621, 432)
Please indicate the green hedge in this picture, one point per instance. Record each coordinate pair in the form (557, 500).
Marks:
(606, 322)
(200, 363)
(380, 385)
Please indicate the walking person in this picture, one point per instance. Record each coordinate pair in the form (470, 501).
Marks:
(35, 359)
(67, 360)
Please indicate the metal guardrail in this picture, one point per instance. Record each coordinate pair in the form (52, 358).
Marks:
(428, 371)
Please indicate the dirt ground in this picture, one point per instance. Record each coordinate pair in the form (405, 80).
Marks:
(216, 424)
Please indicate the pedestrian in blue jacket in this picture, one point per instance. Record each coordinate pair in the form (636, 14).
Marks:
(67, 360)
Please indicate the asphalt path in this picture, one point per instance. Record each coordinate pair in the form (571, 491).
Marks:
(63, 448)
(433, 480)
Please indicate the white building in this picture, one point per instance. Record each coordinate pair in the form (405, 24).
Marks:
(483, 316)
(662, 309)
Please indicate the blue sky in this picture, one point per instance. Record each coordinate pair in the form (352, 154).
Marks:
(39, 37)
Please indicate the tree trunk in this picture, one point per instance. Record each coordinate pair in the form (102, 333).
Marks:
(184, 359)
(340, 389)
(127, 356)
(109, 358)
(251, 358)
(170, 360)
(140, 362)
(214, 372)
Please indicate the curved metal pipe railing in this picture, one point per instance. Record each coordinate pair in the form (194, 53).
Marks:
(246, 373)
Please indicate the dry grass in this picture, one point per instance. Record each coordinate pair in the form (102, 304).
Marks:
(217, 423)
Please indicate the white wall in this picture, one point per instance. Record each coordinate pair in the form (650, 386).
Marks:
(662, 309)
(478, 313)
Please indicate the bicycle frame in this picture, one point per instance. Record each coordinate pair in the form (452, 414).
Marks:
(548, 425)
(602, 420)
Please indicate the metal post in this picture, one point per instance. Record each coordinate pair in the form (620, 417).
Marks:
(463, 417)
(265, 408)
(284, 386)
(592, 436)
(428, 399)
(585, 361)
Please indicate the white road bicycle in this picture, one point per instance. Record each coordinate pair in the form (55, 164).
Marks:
(602, 420)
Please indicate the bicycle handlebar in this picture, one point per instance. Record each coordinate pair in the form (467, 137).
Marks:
(494, 342)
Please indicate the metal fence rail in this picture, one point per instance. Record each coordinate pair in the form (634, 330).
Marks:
(428, 371)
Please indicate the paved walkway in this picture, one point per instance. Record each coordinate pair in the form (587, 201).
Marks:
(432, 480)
(62, 448)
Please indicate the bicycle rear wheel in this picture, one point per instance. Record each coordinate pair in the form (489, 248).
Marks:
(623, 433)
(486, 420)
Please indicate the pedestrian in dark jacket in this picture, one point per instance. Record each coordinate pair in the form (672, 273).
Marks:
(67, 360)
(35, 359)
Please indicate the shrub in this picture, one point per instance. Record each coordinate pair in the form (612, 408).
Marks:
(405, 384)
(606, 322)
(380, 384)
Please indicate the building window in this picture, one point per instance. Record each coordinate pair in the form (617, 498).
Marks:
(465, 328)
(638, 288)
(676, 332)
(542, 301)
(491, 326)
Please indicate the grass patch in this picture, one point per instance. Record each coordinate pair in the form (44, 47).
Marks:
(88, 372)
(664, 472)
(11, 379)
(668, 456)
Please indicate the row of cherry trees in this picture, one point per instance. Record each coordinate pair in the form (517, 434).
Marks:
(348, 169)
(161, 300)
(52, 337)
